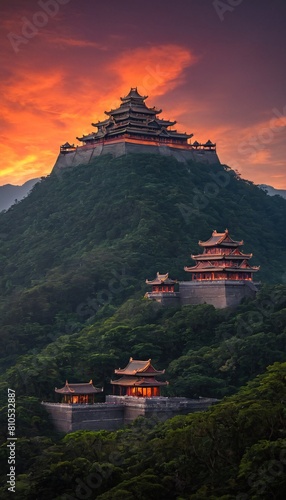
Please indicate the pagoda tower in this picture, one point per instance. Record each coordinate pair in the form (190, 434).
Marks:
(133, 120)
(222, 275)
(133, 127)
(138, 379)
(221, 260)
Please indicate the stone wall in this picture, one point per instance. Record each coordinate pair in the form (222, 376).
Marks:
(224, 293)
(120, 410)
(167, 299)
(100, 416)
(160, 408)
(85, 154)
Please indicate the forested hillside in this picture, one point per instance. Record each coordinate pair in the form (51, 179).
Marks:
(74, 257)
(91, 237)
(235, 450)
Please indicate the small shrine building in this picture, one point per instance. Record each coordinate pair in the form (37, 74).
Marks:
(67, 148)
(162, 284)
(138, 379)
(78, 393)
(163, 290)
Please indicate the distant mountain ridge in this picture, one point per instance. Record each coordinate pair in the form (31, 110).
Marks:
(10, 193)
(271, 191)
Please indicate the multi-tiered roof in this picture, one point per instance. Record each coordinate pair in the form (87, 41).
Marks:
(138, 378)
(133, 119)
(221, 260)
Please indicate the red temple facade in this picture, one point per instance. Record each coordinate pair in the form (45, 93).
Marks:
(222, 259)
(162, 284)
(163, 290)
(78, 393)
(138, 379)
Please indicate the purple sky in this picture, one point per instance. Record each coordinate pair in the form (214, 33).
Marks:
(217, 67)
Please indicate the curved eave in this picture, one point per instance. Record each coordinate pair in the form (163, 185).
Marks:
(132, 382)
(124, 108)
(79, 391)
(87, 138)
(222, 268)
(135, 372)
(165, 123)
(212, 243)
(102, 124)
(222, 256)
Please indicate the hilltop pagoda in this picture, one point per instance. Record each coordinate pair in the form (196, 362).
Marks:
(78, 393)
(133, 127)
(134, 120)
(138, 379)
(222, 259)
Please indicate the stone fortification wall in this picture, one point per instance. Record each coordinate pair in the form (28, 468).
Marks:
(168, 299)
(160, 408)
(120, 410)
(61, 416)
(84, 154)
(220, 294)
(100, 416)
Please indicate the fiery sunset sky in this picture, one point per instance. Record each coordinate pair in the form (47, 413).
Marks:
(217, 67)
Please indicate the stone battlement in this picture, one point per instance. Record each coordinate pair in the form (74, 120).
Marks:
(118, 411)
(83, 155)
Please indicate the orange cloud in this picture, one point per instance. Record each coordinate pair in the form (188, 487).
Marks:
(155, 70)
(45, 105)
(43, 109)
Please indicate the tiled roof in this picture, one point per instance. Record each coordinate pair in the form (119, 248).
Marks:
(161, 279)
(84, 388)
(220, 239)
(136, 367)
(138, 381)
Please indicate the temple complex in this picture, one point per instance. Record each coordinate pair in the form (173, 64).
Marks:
(138, 395)
(222, 276)
(133, 127)
(138, 379)
(78, 393)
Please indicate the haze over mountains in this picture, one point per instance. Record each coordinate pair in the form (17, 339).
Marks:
(273, 191)
(10, 193)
